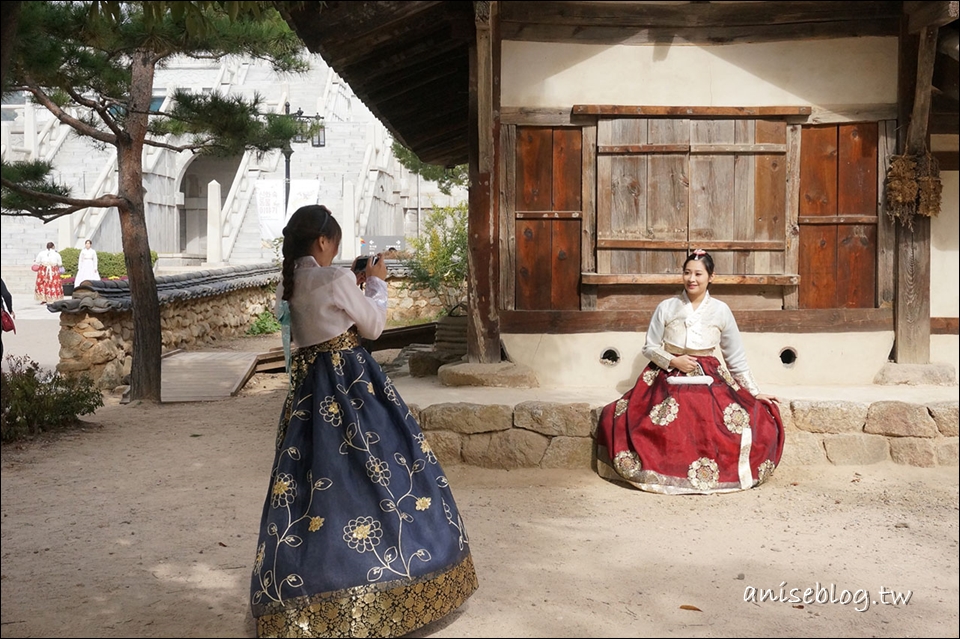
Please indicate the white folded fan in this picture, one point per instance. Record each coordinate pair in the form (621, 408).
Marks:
(683, 380)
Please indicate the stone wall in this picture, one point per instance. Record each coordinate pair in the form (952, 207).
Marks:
(539, 434)
(407, 303)
(100, 344)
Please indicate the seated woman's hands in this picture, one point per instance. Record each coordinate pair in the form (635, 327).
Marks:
(685, 363)
(768, 399)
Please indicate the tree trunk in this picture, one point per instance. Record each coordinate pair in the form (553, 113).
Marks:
(147, 338)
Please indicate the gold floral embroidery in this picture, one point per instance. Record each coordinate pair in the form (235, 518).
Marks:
(728, 378)
(316, 523)
(426, 449)
(284, 491)
(650, 376)
(765, 471)
(735, 418)
(378, 471)
(330, 411)
(363, 534)
(704, 473)
(665, 412)
(423, 503)
(627, 463)
(620, 408)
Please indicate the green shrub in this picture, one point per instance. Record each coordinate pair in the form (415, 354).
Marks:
(438, 260)
(109, 264)
(266, 324)
(36, 400)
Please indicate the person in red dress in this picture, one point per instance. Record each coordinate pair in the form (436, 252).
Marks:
(692, 424)
(49, 287)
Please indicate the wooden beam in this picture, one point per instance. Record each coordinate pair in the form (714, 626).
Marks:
(944, 326)
(604, 242)
(695, 22)
(886, 231)
(483, 326)
(848, 320)
(838, 219)
(588, 199)
(948, 160)
(791, 254)
(621, 110)
(671, 278)
(922, 15)
(912, 268)
(927, 55)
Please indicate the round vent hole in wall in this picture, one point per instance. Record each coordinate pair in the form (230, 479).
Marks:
(788, 356)
(610, 357)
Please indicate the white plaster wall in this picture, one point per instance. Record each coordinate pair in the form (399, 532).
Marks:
(851, 71)
(945, 349)
(842, 359)
(945, 250)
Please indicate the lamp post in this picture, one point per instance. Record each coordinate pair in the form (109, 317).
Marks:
(314, 132)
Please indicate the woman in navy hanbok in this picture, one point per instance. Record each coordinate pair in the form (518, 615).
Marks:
(360, 534)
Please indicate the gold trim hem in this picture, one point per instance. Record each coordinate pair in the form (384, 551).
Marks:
(388, 609)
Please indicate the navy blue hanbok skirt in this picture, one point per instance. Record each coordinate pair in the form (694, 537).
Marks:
(360, 535)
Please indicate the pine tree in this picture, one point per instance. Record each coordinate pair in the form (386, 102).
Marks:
(72, 54)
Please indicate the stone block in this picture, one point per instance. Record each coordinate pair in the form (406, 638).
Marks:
(568, 452)
(446, 446)
(803, 449)
(514, 448)
(946, 416)
(948, 451)
(915, 374)
(467, 419)
(900, 419)
(913, 451)
(820, 416)
(552, 418)
(502, 374)
(853, 448)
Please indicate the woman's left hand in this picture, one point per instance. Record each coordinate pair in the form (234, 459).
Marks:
(768, 399)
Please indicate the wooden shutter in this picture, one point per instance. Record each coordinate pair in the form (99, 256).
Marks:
(548, 216)
(666, 186)
(838, 216)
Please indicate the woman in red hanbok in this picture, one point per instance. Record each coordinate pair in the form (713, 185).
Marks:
(692, 424)
(49, 287)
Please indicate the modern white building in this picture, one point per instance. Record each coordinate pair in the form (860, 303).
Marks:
(239, 201)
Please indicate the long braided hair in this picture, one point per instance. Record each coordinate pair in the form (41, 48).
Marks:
(303, 228)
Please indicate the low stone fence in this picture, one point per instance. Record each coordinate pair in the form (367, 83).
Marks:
(555, 435)
(96, 323)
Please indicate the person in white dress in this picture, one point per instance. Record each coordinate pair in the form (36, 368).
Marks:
(87, 265)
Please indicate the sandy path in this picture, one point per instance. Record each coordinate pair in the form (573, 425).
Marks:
(144, 524)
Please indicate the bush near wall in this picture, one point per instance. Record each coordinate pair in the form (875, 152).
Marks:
(109, 264)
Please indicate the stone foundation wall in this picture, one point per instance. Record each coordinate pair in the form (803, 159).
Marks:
(101, 344)
(407, 303)
(555, 435)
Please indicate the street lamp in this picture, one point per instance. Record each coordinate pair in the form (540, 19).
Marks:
(308, 128)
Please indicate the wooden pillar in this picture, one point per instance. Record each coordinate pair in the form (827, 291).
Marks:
(483, 324)
(912, 302)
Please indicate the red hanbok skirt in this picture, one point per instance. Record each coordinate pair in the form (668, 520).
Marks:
(49, 286)
(689, 439)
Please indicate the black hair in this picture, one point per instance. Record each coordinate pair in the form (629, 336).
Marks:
(50, 245)
(701, 256)
(303, 228)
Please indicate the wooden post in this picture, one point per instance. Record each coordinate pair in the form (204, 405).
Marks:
(483, 325)
(911, 315)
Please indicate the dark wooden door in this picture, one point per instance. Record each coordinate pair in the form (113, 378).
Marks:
(548, 218)
(838, 216)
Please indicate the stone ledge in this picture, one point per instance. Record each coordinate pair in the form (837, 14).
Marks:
(544, 434)
(915, 374)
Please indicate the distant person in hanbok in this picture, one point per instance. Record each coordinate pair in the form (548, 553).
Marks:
(87, 265)
(360, 535)
(692, 424)
(48, 266)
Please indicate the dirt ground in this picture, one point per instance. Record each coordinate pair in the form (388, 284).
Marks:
(143, 524)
